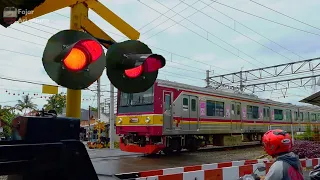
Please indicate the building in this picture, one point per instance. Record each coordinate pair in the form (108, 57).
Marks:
(84, 119)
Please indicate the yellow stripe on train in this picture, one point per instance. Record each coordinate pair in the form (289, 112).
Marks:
(146, 119)
(157, 119)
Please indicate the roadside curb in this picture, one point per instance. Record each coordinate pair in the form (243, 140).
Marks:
(104, 157)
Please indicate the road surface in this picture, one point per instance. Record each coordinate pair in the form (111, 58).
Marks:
(109, 162)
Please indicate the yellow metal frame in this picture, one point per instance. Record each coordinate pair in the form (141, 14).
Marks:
(79, 21)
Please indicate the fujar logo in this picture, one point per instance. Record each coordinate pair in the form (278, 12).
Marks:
(10, 14)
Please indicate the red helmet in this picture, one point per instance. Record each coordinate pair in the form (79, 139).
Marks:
(276, 141)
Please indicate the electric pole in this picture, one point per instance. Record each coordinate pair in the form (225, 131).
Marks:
(98, 99)
(89, 123)
(207, 78)
(111, 119)
(241, 82)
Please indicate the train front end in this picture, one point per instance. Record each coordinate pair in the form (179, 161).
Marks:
(137, 124)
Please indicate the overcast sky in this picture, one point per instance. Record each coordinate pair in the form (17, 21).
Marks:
(203, 35)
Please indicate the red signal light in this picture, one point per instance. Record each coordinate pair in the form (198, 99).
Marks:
(134, 72)
(82, 53)
(93, 48)
(76, 60)
(152, 64)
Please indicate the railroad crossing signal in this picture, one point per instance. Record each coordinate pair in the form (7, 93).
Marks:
(131, 66)
(73, 59)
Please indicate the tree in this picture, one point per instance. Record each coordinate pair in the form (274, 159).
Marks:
(56, 102)
(7, 114)
(25, 104)
(93, 109)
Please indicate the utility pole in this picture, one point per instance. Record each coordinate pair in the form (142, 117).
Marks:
(98, 99)
(241, 82)
(207, 78)
(105, 106)
(111, 119)
(89, 123)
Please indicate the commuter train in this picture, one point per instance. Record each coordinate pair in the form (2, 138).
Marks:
(171, 116)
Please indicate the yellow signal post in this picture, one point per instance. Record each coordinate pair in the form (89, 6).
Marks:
(73, 103)
(79, 21)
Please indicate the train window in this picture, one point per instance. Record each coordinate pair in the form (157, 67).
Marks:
(220, 109)
(318, 117)
(232, 109)
(137, 99)
(288, 115)
(252, 112)
(168, 101)
(313, 117)
(215, 108)
(296, 116)
(193, 105)
(301, 116)
(238, 109)
(278, 114)
(185, 103)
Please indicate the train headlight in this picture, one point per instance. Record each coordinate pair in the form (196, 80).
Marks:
(147, 120)
(119, 121)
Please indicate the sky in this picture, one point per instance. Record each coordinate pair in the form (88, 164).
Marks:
(193, 35)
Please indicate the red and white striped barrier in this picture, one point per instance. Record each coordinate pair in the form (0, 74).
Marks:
(215, 171)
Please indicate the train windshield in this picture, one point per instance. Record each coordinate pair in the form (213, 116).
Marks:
(136, 102)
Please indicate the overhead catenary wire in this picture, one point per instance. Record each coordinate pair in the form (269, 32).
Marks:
(233, 29)
(275, 22)
(254, 31)
(179, 22)
(284, 14)
(207, 5)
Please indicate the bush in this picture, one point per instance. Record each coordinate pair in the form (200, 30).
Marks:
(306, 149)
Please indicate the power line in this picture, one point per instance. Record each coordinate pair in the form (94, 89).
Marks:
(233, 29)
(154, 20)
(179, 22)
(162, 14)
(207, 5)
(254, 31)
(268, 19)
(284, 14)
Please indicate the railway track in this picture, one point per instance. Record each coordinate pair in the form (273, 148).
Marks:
(214, 148)
(206, 149)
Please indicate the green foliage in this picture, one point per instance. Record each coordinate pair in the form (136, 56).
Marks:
(7, 115)
(93, 109)
(309, 134)
(25, 104)
(56, 102)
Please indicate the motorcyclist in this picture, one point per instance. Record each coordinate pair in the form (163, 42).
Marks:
(278, 144)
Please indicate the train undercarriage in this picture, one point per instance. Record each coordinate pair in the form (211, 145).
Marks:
(174, 144)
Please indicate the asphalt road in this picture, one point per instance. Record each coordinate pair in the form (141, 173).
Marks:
(109, 162)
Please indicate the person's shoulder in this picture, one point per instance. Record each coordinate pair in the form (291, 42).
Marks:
(276, 164)
(275, 171)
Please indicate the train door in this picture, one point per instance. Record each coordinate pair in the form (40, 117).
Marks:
(236, 115)
(167, 111)
(190, 117)
(266, 118)
(194, 113)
